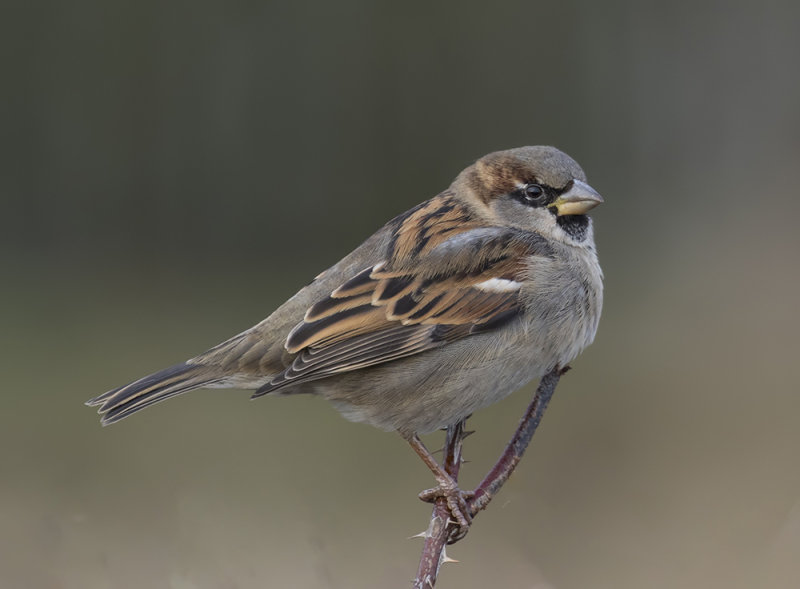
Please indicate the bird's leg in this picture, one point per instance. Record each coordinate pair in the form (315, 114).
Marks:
(457, 500)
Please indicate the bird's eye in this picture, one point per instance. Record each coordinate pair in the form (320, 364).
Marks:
(534, 194)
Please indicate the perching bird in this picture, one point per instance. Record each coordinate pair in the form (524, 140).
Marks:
(447, 309)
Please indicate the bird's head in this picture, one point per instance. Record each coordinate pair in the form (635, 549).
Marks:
(536, 188)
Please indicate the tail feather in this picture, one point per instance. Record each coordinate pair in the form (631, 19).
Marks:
(120, 403)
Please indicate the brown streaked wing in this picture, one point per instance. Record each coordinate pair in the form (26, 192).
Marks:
(383, 314)
(363, 351)
(422, 229)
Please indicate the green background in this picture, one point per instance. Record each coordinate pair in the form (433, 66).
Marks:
(171, 171)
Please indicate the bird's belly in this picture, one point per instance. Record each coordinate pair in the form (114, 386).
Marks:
(427, 392)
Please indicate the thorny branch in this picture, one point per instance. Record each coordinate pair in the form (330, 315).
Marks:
(442, 530)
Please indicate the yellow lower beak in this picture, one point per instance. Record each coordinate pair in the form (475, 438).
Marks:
(578, 200)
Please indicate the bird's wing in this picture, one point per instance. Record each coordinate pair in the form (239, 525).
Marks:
(439, 285)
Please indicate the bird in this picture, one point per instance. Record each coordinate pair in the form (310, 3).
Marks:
(445, 310)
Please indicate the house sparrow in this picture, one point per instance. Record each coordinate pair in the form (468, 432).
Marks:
(447, 309)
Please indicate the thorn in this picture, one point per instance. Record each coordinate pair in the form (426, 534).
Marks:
(446, 558)
(467, 434)
(423, 534)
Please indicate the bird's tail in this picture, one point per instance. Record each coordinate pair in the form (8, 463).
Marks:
(120, 403)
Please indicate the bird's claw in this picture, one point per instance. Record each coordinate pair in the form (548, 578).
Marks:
(457, 504)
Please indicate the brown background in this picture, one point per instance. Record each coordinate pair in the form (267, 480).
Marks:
(171, 171)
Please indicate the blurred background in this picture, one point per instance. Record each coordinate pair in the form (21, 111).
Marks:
(171, 171)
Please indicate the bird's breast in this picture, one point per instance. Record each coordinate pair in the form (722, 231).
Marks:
(563, 300)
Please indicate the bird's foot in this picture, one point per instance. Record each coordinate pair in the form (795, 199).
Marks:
(457, 504)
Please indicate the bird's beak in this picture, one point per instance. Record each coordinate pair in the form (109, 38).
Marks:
(578, 200)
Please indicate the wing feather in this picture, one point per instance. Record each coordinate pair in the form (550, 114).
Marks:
(465, 279)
